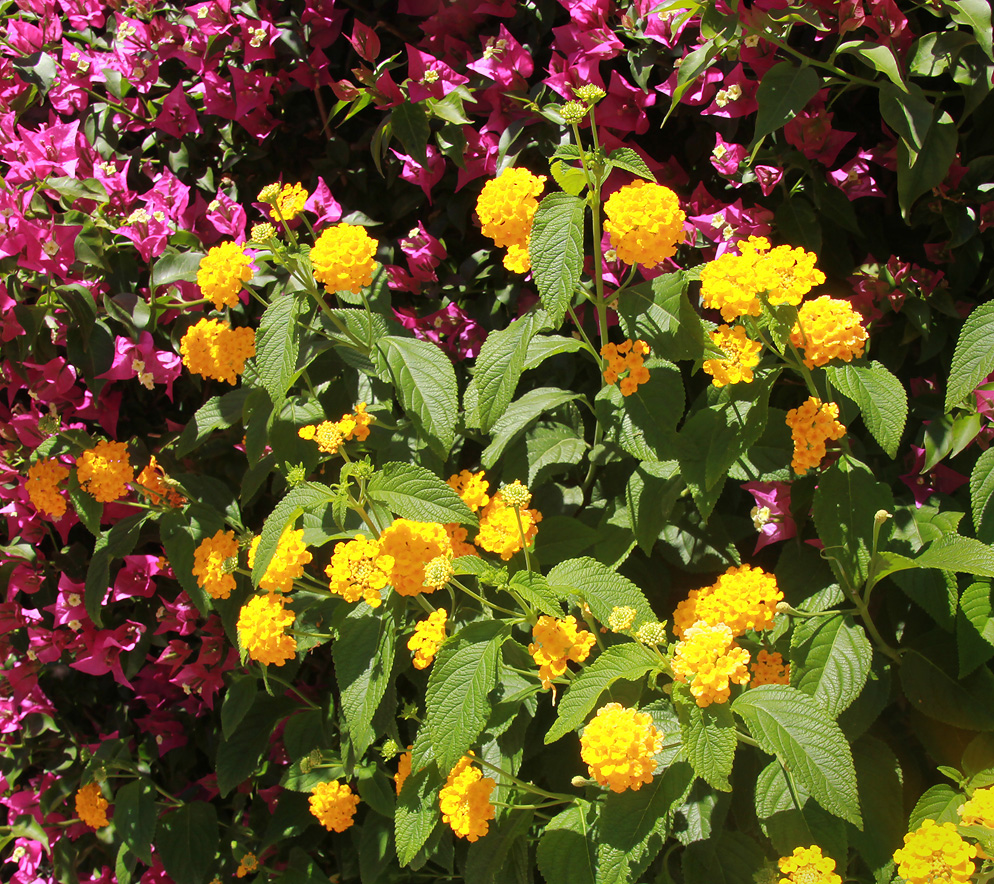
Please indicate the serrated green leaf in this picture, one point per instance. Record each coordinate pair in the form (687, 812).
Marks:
(782, 94)
(303, 498)
(571, 179)
(277, 346)
(966, 703)
(498, 368)
(556, 250)
(552, 449)
(464, 672)
(487, 855)
(601, 588)
(629, 661)
(660, 313)
(409, 122)
(135, 817)
(187, 841)
(519, 415)
(417, 812)
(413, 492)
(651, 493)
(629, 160)
(973, 358)
(880, 396)
(974, 627)
(534, 589)
(961, 554)
(830, 660)
(88, 508)
(547, 346)
(709, 739)
(981, 493)
(567, 850)
(426, 386)
(239, 754)
(218, 411)
(795, 727)
(364, 654)
(939, 803)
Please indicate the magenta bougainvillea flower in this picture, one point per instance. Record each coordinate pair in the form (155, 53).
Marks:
(940, 479)
(771, 514)
(450, 328)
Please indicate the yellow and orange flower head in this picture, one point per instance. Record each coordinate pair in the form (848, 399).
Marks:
(794, 274)
(42, 485)
(806, 865)
(105, 470)
(223, 272)
(744, 597)
(403, 770)
(213, 562)
(213, 349)
(620, 746)
(710, 661)
(359, 570)
(91, 806)
(499, 531)
(811, 425)
(555, 643)
(412, 545)
(344, 257)
(979, 810)
(741, 356)
(645, 223)
(152, 483)
(935, 854)
(246, 865)
(507, 207)
(334, 805)
(457, 538)
(769, 668)
(471, 487)
(628, 356)
(828, 329)
(262, 625)
(428, 637)
(287, 563)
(465, 800)
(288, 203)
(331, 434)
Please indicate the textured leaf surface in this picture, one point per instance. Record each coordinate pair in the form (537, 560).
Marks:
(830, 660)
(966, 703)
(412, 492)
(709, 739)
(556, 251)
(981, 494)
(303, 498)
(601, 587)
(498, 368)
(519, 415)
(277, 346)
(567, 851)
(880, 396)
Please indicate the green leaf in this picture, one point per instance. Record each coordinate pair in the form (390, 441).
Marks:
(801, 226)
(660, 313)
(918, 173)
(709, 739)
(727, 858)
(880, 396)
(187, 841)
(303, 498)
(796, 728)
(830, 660)
(976, 14)
(845, 502)
(412, 492)
(218, 411)
(552, 449)
(519, 415)
(981, 491)
(238, 700)
(426, 386)
(277, 346)
(627, 159)
(567, 850)
(651, 494)
(239, 754)
(176, 267)
(961, 554)
(936, 592)
(909, 113)
(966, 703)
(135, 817)
(547, 346)
(74, 189)
(782, 95)
(878, 56)
(409, 122)
(571, 179)
(116, 543)
(629, 661)
(487, 856)
(498, 368)
(974, 627)
(939, 803)
(973, 358)
(881, 800)
(694, 64)
(534, 589)
(363, 655)
(463, 674)
(417, 812)
(88, 508)
(601, 588)
(556, 250)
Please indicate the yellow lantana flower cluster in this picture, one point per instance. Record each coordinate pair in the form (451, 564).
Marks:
(287, 563)
(710, 661)
(811, 425)
(213, 562)
(105, 470)
(556, 642)
(343, 258)
(741, 356)
(152, 483)
(288, 203)
(333, 805)
(645, 223)
(806, 865)
(769, 668)
(627, 356)
(619, 746)
(828, 329)
(507, 207)
(358, 570)
(213, 349)
(222, 273)
(42, 486)
(91, 806)
(465, 800)
(331, 434)
(471, 487)
(744, 597)
(262, 624)
(412, 545)
(499, 531)
(979, 810)
(428, 637)
(935, 854)
(621, 619)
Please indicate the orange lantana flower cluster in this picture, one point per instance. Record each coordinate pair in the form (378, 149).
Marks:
(627, 356)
